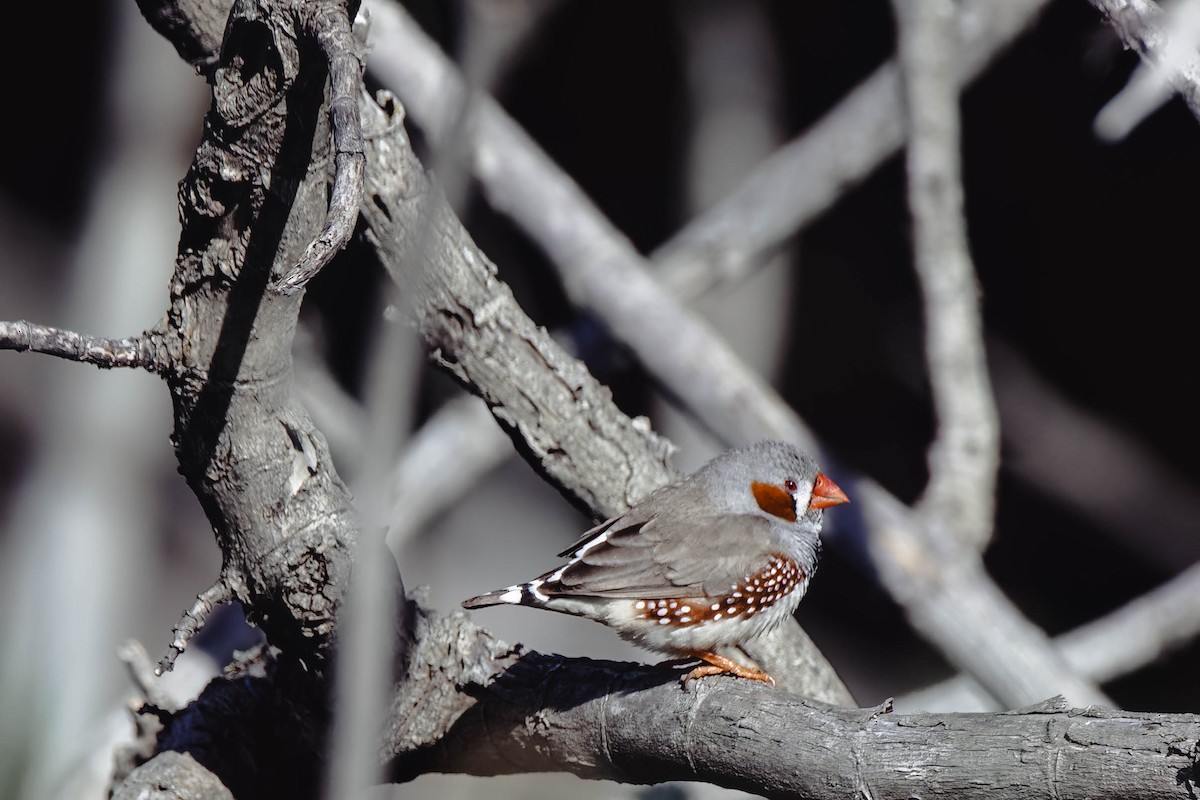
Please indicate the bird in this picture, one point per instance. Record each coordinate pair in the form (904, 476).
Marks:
(709, 562)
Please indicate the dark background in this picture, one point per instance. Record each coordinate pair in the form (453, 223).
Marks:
(1080, 247)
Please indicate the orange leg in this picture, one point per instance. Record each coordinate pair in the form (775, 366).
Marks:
(719, 665)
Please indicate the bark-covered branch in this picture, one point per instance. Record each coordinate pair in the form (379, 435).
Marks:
(250, 205)
(329, 24)
(134, 351)
(635, 723)
(556, 412)
(472, 704)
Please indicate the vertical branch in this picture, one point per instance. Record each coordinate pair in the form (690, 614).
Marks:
(960, 497)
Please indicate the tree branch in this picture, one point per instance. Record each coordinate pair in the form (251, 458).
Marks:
(472, 704)
(1141, 26)
(144, 351)
(964, 456)
(329, 24)
(249, 206)
(635, 724)
(547, 401)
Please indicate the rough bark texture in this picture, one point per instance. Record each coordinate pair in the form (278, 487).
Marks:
(555, 411)
(473, 704)
(253, 199)
(194, 27)
(634, 723)
(174, 776)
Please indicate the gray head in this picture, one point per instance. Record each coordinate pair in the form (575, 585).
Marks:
(770, 478)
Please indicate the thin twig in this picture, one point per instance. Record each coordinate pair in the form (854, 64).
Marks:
(372, 632)
(330, 26)
(965, 453)
(194, 620)
(144, 675)
(135, 351)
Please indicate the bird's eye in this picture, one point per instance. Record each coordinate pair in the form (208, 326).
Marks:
(790, 485)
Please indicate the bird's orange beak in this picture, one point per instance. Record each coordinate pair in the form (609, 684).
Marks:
(826, 493)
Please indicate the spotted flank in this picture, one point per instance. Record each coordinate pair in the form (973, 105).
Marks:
(753, 594)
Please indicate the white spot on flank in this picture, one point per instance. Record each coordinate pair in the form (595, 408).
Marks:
(662, 612)
(716, 616)
(685, 619)
(663, 621)
(685, 609)
(640, 604)
(715, 607)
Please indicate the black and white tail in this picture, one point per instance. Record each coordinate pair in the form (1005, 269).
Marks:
(521, 594)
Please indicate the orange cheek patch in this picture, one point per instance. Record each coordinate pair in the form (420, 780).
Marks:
(774, 500)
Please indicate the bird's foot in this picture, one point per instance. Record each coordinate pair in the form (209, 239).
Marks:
(720, 665)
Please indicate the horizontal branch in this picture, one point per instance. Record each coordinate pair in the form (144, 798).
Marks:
(142, 351)
(636, 724)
